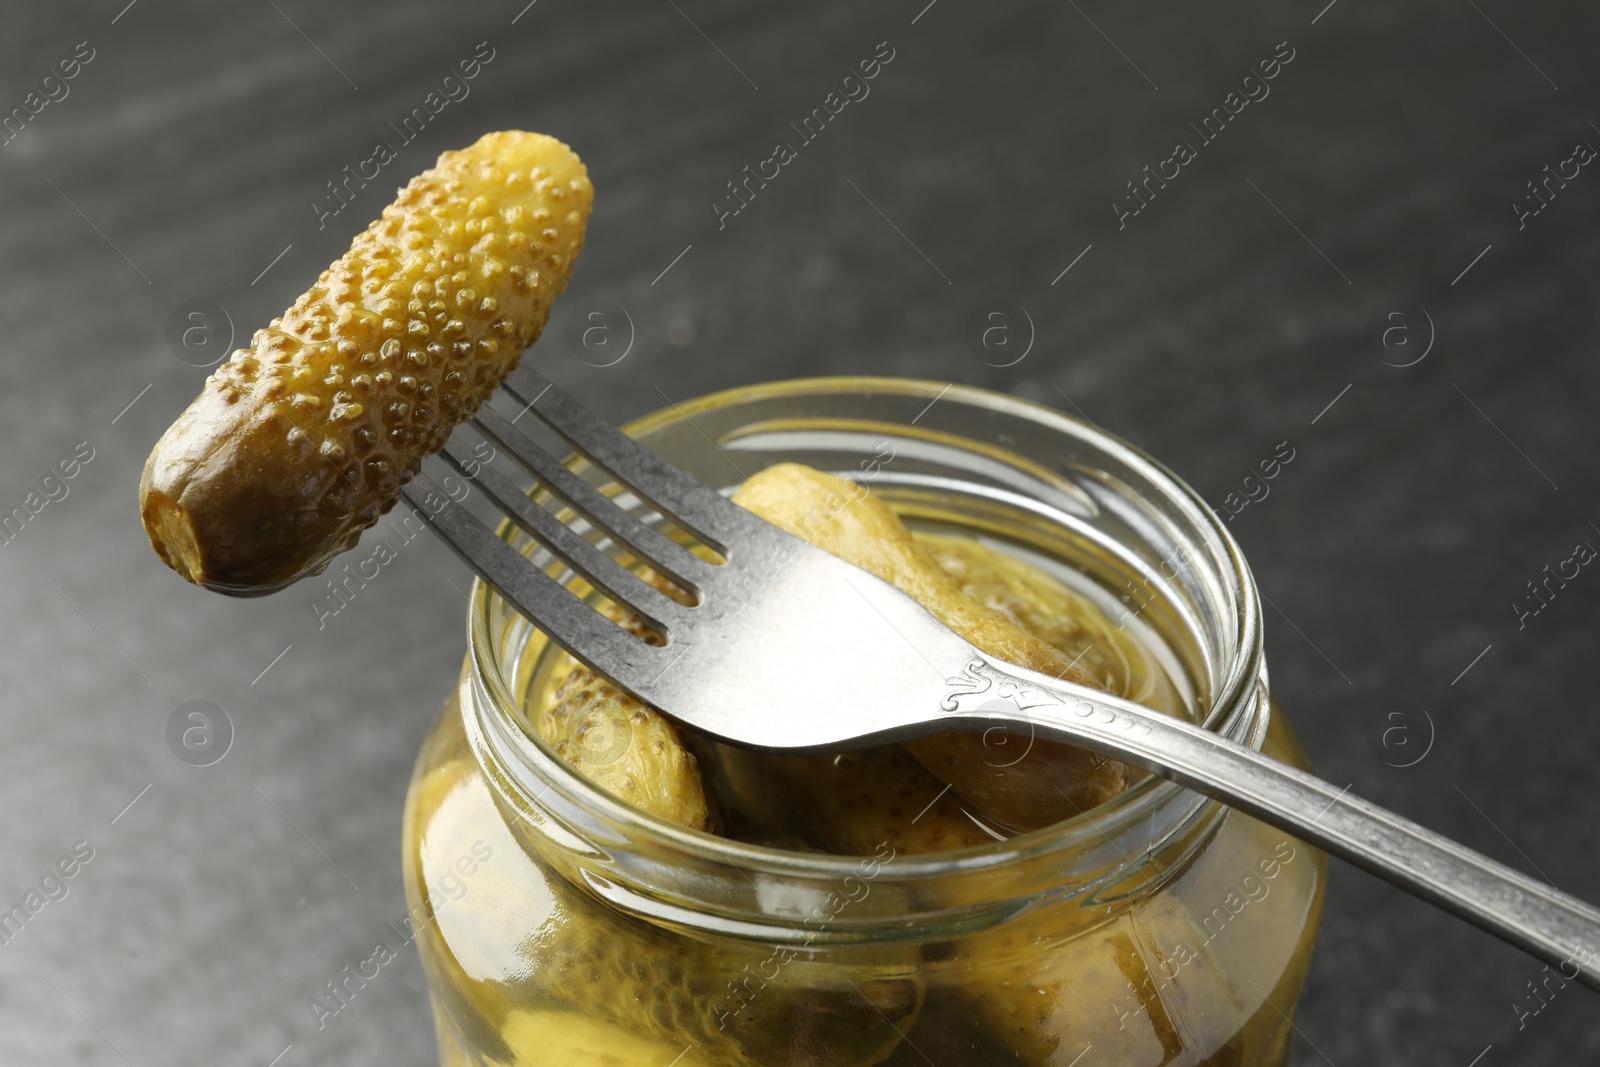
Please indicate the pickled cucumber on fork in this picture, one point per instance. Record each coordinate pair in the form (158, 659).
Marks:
(300, 442)
(1021, 783)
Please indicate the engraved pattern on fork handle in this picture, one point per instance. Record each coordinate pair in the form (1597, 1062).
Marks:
(1555, 927)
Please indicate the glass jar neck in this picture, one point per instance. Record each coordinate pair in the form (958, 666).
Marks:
(1107, 858)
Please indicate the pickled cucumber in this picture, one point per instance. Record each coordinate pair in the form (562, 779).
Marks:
(1050, 611)
(850, 804)
(300, 442)
(1020, 782)
(1133, 987)
(628, 749)
(753, 1005)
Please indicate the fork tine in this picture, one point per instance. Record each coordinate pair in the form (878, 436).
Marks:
(698, 508)
(666, 555)
(658, 610)
(574, 625)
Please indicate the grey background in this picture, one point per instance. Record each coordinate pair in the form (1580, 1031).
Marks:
(1222, 320)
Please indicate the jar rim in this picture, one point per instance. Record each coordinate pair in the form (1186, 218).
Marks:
(1238, 706)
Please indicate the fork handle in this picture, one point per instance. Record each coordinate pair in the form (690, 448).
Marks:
(1557, 928)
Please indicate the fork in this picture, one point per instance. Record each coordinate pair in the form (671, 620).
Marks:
(780, 629)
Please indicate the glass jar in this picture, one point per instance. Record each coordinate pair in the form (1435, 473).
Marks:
(563, 928)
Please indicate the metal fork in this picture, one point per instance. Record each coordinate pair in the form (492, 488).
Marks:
(789, 649)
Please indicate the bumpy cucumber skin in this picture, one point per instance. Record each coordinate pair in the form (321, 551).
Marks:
(300, 442)
(627, 748)
(674, 990)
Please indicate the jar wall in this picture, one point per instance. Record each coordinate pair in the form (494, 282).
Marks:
(528, 966)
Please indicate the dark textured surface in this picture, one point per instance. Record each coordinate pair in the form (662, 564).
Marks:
(1207, 331)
